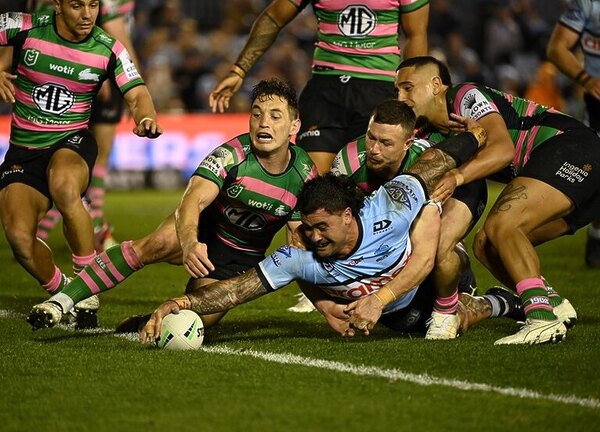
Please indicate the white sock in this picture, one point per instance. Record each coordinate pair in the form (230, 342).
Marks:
(66, 303)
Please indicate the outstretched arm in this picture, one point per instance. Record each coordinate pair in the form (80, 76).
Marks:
(217, 297)
(263, 34)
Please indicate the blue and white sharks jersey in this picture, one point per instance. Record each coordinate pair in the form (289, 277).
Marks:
(382, 250)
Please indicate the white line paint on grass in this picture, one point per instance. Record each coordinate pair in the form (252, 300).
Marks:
(360, 370)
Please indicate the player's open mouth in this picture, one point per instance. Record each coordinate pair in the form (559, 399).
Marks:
(264, 137)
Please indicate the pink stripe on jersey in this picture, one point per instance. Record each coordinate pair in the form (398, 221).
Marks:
(532, 134)
(238, 148)
(69, 54)
(269, 190)
(36, 127)
(371, 51)
(340, 66)
(353, 156)
(380, 29)
(72, 84)
(23, 97)
(124, 9)
(235, 246)
(89, 282)
(459, 96)
(26, 25)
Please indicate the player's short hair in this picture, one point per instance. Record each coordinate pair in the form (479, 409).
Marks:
(331, 193)
(418, 62)
(395, 112)
(276, 87)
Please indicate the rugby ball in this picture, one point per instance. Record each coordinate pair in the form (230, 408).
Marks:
(182, 331)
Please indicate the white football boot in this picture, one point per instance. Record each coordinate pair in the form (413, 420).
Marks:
(536, 331)
(304, 305)
(566, 313)
(45, 315)
(442, 326)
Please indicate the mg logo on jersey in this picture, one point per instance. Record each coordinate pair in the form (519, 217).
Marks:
(245, 219)
(357, 21)
(53, 98)
(31, 56)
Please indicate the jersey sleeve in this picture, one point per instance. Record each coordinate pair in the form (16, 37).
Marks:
(283, 266)
(216, 166)
(12, 23)
(473, 101)
(407, 6)
(575, 16)
(126, 74)
(407, 194)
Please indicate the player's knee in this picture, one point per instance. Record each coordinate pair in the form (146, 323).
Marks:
(66, 196)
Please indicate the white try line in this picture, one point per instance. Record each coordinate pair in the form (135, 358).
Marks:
(360, 370)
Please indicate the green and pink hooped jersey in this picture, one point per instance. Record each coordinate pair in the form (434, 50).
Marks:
(359, 39)
(351, 161)
(528, 123)
(252, 204)
(57, 80)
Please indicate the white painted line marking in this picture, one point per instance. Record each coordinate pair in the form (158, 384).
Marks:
(360, 370)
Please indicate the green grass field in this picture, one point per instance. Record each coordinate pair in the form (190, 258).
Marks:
(265, 369)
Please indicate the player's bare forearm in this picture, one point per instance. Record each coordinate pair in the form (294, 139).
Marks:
(226, 294)
(431, 166)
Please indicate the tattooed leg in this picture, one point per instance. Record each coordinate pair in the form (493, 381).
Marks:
(471, 310)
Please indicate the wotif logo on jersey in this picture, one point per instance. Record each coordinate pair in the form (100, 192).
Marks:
(357, 21)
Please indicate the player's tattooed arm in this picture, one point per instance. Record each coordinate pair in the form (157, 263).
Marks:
(264, 32)
(217, 297)
(226, 294)
(431, 166)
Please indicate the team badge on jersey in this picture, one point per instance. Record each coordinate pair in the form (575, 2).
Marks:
(53, 98)
(31, 56)
(357, 21)
(233, 191)
(88, 75)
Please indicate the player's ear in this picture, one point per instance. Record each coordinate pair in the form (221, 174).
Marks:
(295, 127)
(436, 85)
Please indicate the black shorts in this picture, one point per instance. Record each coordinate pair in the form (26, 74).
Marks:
(474, 195)
(109, 111)
(333, 112)
(228, 261)
(570, 162)
(593, 109)
(413, 318)
(30, 166)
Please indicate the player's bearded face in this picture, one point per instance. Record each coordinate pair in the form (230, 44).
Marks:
(76, 18)
(271, 124)
(386, 147)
